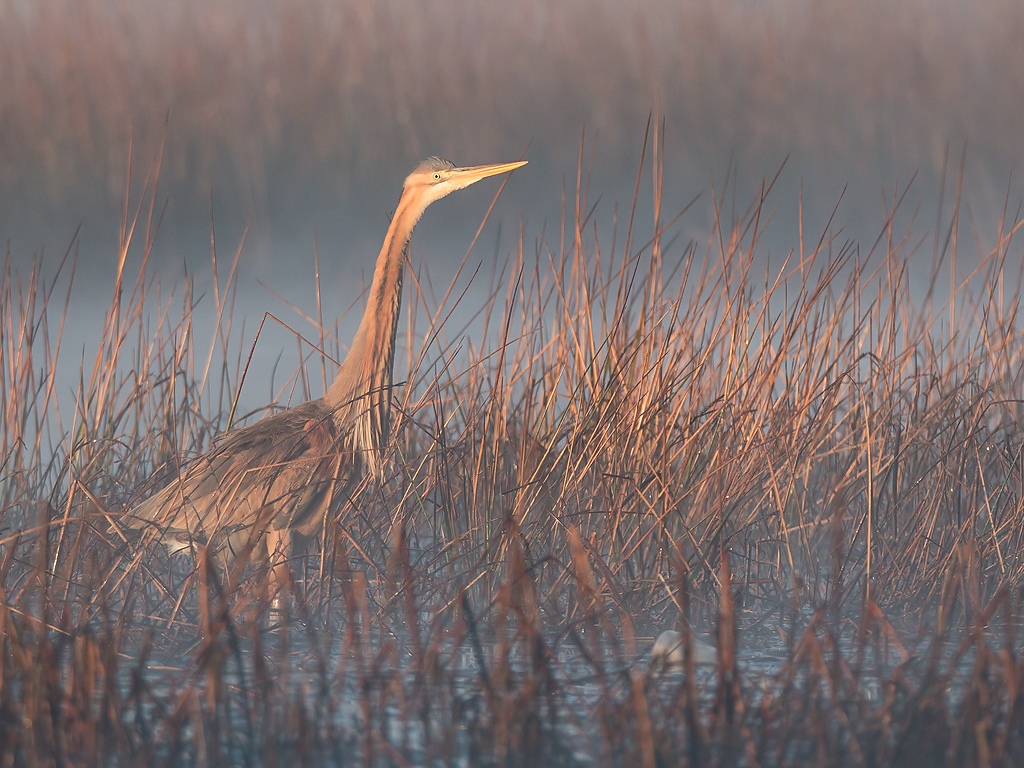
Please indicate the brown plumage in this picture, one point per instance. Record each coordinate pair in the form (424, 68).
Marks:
(281, 476)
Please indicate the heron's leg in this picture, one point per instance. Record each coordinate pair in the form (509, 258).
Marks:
(278, 548)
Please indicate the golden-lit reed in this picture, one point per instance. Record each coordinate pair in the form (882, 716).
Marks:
(639, 435)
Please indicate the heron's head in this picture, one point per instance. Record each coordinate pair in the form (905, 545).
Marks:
(434, 177)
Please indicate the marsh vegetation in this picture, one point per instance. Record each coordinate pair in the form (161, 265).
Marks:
(803, 461)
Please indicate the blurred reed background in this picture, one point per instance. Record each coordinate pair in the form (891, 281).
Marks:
(303, 117)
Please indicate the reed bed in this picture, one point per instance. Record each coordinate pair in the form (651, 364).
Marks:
(265, 97)
(800, 455)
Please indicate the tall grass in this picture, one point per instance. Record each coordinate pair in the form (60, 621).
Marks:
(630, 435)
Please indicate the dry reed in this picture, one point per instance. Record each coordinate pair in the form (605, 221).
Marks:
(641, 435)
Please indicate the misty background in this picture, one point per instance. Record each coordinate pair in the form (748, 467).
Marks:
(296, 122)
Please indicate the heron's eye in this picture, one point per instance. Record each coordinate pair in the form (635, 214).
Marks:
(437, 176)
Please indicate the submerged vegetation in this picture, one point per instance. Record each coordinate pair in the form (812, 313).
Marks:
(796, 454)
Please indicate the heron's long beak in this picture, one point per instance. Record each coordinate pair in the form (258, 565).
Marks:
(466, 176)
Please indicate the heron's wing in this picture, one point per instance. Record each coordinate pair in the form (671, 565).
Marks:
(309, 483)
(283, 468)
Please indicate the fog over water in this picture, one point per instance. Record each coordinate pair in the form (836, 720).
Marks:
(296, 122)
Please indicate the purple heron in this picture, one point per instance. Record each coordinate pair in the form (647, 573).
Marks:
(261, 484)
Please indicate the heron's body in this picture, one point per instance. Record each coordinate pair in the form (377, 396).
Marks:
(281, 474)
(263, 483)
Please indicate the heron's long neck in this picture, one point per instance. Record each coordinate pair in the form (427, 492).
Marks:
(363, 384)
